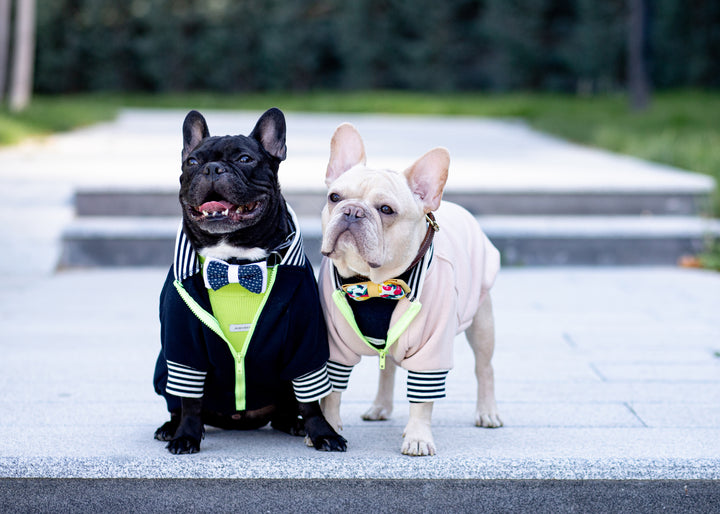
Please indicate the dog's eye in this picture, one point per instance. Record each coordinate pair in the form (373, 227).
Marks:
(192, 161)
(244, 158)
(334, 197)
(386, 209)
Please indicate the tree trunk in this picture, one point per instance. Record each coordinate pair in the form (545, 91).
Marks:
(638, 82)
(4, 44)
(23, 55)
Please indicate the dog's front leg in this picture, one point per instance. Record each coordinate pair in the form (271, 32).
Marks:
(331, 409)
(418, 439)
(383, 405)
(190, 431)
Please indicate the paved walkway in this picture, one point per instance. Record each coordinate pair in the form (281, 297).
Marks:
(140, 150)
(602, 373)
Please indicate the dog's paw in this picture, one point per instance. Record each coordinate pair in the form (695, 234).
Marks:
(377, 413)
(488, 420)
(183, 445)
(417, 439)
(322, 436)
(166, 431)
(293, 426)
(417, 447)
(329, 443)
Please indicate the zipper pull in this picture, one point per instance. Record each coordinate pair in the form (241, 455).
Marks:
(382, 359)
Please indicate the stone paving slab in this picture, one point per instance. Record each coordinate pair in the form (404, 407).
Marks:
(600, 374)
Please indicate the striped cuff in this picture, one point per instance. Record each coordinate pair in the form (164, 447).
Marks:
(185, 381)
(312, 386)
(426, 386)
(339, 375)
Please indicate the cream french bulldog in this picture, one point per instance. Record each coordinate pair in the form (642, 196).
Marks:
(401, 277)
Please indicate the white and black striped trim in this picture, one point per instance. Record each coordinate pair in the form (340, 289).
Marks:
(426, 386)
(415, 281)
(291, 251)
(185, 381)
(339, 375)
(417, 275)
(295, 254)
(312, 386)
(185, 262)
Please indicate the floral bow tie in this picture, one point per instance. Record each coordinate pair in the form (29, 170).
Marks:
(392, 289)
(252, 277)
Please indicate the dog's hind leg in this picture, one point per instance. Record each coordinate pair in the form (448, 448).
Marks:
(481, 336)
(286, 417)
(383, 404)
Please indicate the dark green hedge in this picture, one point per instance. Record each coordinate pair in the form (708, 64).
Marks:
(246, 45)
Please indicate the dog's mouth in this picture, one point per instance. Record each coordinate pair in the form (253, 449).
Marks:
(222, 210)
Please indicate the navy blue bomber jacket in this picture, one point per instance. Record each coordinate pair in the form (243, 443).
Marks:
(288, 344)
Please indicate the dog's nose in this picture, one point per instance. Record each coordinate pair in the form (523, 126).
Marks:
(353, 212)
(213, 168)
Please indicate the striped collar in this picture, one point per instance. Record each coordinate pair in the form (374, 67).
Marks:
(290, 253)
(415, 280)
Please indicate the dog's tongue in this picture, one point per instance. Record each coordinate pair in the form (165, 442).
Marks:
(215, 206)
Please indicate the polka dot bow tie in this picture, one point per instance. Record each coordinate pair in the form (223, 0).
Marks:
(392, 289)
(252, 277)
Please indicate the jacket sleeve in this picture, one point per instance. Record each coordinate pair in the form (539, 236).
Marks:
(183, 350)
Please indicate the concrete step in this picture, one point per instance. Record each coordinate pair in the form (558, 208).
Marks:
(94, 241)
(164, 202)
(356, 495)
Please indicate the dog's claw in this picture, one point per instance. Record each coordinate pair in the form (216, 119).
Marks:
(183, 445)
(488, 420)
(336, 444)
(166, 431)
(377, 413)
(418, 448)
(161, 434)
(330, 444)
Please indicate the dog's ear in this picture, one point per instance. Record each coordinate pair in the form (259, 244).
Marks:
(427, 177)
(195, 129)
(346, 150)
(270, 131)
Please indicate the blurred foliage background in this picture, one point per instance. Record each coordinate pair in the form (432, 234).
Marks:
(561, 65)
(576, 46)
(567, 67)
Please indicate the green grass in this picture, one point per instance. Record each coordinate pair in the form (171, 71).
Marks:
(680, 128)
(47, 115)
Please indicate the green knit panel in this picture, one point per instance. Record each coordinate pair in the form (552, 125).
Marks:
(235, 308)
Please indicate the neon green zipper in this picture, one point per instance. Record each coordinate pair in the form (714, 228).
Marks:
(212, 323)
(394, 332)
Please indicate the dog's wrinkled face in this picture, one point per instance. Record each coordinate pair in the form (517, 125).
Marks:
(229, 184)
(374, 219)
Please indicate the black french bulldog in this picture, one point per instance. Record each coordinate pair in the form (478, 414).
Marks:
(235, 217)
